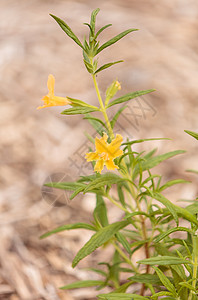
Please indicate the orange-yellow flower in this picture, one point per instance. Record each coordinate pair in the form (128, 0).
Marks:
(50, 99)
(105, 153)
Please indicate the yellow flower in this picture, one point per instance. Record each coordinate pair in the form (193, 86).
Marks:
(105, 153)
(50, 99)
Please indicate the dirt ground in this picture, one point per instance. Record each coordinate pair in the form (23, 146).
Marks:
(42, 145)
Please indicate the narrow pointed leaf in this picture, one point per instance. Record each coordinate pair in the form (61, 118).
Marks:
(164, 293)
(79, 110)
(82, 284)
(95, 119)
(93, 18)
(98, 239)
(115, 39)
(166, 282)
(192, 171)
(144, 140)
(67, 30)
(100, 211)
(186, 214)
(169, 205)
(70, 186)
(146, 278)
(121, 296)
(76, 102)
(129, 96)
(89, 67)
(163, 261)
(107, 66)
(106, 179)
(121, 238)
(114, 120)
(102, 29)
(68, 227)
(171, 183)
(161, 236)
(154, 161)
(192, 133)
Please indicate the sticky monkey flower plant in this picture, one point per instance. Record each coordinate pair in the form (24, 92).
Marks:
(150, 222)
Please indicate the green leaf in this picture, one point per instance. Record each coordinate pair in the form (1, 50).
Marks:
(90, 118)
(108, 65)
(171, 183)
(121, 195)
(150, 154)
(164, 293)
(129, 96)
(67, 30)
(106, 179)
(86, 50)
(166, 282)
(76, 102)
(102, 29)
(95, 123)
(187, 285)
(82, 284)
(193, 208)
(177, 270)
(138, 244)
(121, 238)
(91, 30)
(146, 278)
(115, 39)
(98, 239)
(123, 288)
(113, 121)
(79, 110)
(98, 271)
(121, 296)
(68, 227)
(163, 261)
(169, 205)
(76, 192)
(93, 18)
(100, 211)
(161, 236)
(154, 161)
(192, 171)
(70, 186)
(89, 66)
(136, 213)
(144, 140)
(192, 133)
(166, 298)
(186, 214)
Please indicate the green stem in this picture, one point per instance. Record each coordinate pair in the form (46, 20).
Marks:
(127, 260)
(103, 109)
(116, 203)
(195, 265)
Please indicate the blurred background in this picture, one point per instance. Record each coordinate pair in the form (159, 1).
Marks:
(41, 145)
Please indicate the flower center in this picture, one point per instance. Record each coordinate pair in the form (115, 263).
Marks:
(104, 156)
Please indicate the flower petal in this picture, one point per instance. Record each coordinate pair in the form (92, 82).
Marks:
(50, 84)
(101, 144)
(58, 101)
(114, 146)
(92, 156)
(110, 165)
(99, 166)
